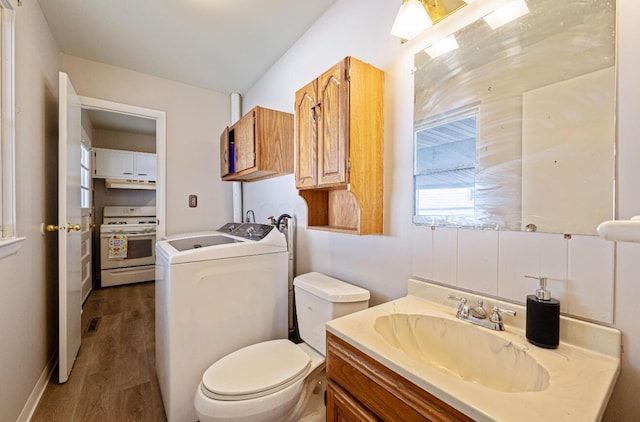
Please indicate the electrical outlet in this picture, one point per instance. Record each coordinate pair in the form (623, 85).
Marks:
(193, 201)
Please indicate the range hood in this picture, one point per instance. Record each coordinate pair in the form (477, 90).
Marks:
(130, 184)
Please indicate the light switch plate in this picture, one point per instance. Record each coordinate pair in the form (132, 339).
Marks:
(193, 201)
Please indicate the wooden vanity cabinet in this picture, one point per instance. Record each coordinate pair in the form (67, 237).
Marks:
(339, 148)
(258, 146)
(361, 389)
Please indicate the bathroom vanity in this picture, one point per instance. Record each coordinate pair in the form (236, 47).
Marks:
(413, 357)
(361, 388)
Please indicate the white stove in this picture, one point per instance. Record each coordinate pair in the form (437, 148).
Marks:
(127, 245)
(128, 219)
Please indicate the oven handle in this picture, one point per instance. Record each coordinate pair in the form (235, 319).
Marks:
(129, 234)
(130, 269)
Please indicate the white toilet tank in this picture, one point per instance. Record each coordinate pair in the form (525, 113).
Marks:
(320, 298)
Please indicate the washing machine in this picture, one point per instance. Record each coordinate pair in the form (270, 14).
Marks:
(216, 292)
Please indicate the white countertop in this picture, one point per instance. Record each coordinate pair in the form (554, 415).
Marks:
(582, 370)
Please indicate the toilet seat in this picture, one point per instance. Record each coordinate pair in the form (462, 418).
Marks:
(256, 371)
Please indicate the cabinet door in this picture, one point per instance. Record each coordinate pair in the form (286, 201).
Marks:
(333, 126)
(244, 139)
(145, 166)
(341, 407)
(113, 163)
(224, 152)
(306, 136)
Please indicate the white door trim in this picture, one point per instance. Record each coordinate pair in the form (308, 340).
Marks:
(160, 117)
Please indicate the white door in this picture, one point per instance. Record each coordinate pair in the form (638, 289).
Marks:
(69, 218)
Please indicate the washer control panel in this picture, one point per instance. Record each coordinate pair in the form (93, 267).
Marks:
(251, 231)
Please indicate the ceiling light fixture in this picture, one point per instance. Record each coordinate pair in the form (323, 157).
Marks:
(441, 47)
(412, 19)
(415, 16)
(507, 13)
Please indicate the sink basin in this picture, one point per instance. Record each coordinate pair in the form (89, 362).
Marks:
(462, 350)
(487, 375)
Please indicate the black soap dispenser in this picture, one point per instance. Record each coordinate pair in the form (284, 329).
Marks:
(543, 317)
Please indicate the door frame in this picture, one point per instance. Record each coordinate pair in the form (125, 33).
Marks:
(160, 117)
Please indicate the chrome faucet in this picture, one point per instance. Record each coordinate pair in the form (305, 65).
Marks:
(478, 315)
(479, 311)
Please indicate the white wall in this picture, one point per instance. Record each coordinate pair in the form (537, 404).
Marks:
(28, 282)
(195, 119)
(358, 28)
(383, 263)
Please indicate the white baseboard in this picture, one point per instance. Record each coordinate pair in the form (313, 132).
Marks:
(38, 390)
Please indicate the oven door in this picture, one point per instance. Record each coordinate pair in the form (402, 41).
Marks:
(140, 250)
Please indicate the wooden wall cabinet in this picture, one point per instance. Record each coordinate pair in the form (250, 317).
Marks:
(339, 148)
(258, 146)
(361, 389)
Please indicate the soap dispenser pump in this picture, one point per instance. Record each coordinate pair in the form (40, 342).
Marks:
(543, 317)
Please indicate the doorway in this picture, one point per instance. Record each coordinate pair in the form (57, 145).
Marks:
(116, 127)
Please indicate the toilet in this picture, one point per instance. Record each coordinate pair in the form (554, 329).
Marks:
(273, 380)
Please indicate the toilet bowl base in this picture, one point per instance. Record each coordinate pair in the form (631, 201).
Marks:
(306, 404)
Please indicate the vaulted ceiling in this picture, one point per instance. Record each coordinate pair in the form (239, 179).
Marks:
(224, 45)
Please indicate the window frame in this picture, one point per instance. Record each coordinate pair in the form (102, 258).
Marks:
(9, 240)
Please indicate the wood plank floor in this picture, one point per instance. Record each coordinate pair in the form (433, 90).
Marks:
(114, 376)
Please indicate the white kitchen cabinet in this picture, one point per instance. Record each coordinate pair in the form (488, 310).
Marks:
(144, 165)
(121, 164)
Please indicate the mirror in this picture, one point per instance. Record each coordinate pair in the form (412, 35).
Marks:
(515, 129)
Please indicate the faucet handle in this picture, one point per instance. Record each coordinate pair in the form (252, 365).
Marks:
(460, 299)
(463, 308)
(496, 312)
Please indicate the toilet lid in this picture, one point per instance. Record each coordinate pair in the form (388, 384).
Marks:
(255, 371)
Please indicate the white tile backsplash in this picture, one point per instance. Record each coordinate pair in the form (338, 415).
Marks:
(478, 260)
(422, 252)
(590, 284)
(445, 257)
(535, 254)
(580, 270)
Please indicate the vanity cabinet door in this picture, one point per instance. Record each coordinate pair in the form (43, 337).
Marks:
(341, 407)
(333, 125)
(377, 390)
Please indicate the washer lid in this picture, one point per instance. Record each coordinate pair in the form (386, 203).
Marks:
(255, 370)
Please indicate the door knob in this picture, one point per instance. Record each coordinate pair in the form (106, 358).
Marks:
(51, 228)
(75, 227)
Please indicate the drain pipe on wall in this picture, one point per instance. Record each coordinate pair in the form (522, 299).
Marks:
(236, 113)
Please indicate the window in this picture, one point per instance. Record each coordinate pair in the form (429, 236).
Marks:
(9, 243)
(85, 176)
(444, 172)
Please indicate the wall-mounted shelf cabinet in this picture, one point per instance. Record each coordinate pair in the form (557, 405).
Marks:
(121, 164)
(339, 148)
(360, 388)
(258, 146)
